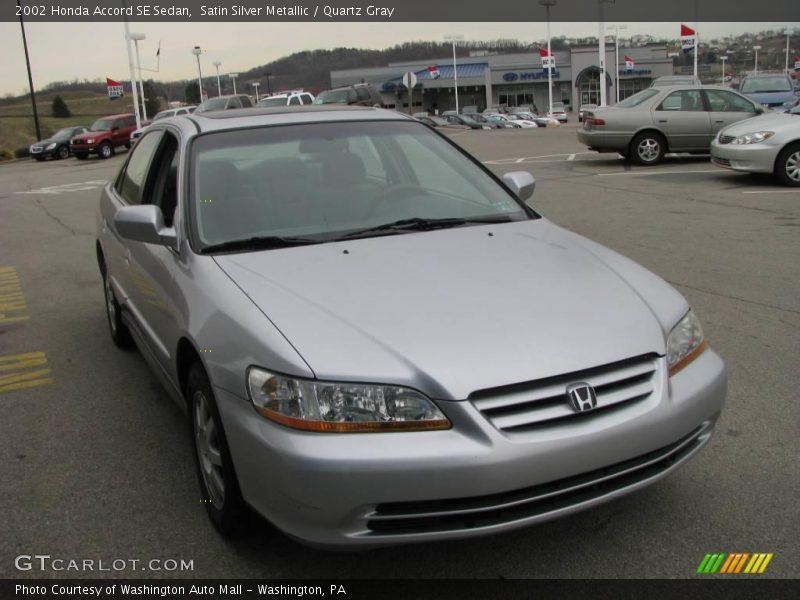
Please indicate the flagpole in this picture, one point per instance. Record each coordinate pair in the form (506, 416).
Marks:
(131, 69)
(696, 36)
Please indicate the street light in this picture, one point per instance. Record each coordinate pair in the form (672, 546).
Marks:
(136, 37)
(233, 77)
(255, 84)
(197, 52)
(601, 34)
(755, 68)
(30, 76)
(454, 38)
(723, 58)
(218, 64)
(616, 29)
(788, 33)
(268, 75)
(547, 4)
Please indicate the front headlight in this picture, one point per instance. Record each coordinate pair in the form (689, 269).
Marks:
(50, 146)
(685, 343)
(753, 138)
(332, 407)
(90, 141)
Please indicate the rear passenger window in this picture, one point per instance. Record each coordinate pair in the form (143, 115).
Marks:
(683, 100)
(234, 103)
(133, 177)
(245, 102)
(362, 94)
(294, 100)
(306, 98)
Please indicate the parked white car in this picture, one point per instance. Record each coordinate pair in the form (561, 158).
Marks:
(523, 122)
(296, 98)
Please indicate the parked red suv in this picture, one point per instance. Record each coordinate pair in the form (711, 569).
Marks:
(104, 136)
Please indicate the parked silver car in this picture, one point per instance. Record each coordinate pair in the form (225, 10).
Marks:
(645, 126)
(766, 144)
(378, 342)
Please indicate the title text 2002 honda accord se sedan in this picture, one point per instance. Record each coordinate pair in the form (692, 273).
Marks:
(378, 342)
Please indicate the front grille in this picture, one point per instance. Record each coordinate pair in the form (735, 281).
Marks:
(726, 139)
(721, 161)
(36, 149)
(455, 514)
(544, 402)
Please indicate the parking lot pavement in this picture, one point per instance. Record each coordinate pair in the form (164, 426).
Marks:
(96, 462)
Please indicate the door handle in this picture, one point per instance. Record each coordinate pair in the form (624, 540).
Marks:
(720, 121)
(663, 121)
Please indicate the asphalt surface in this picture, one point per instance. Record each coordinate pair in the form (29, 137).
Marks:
(95, 460)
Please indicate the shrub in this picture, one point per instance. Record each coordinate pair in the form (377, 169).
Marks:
(22, 152)
(60, 108)
(6, 154)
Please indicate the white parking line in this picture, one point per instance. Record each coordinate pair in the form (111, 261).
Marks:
(571, 156)
(659, 172)
(772, 192)
(54, 190)
(502, 161)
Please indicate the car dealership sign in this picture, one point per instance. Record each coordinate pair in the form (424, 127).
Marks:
(513, 76)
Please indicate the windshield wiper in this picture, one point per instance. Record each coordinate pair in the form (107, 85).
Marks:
(259, 243)
(420, 224)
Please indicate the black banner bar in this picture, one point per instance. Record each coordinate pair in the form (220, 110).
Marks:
(733, 588)
(782, 11)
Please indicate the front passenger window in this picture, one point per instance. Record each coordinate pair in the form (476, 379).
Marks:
(133, 177)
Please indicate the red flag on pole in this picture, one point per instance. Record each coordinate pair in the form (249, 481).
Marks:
(114, 89)
(688, 39)
(548, 60)
(629, 64)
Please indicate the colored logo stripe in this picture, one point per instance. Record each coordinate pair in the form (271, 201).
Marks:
(734, 563)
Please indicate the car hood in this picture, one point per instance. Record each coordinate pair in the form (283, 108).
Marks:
(772, 97)
(453, 311)
(89, 135)
(48, 141)
(767, 121)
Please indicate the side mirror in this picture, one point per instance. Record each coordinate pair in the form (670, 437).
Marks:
(759, 110)
(144, 223)
(521, 183)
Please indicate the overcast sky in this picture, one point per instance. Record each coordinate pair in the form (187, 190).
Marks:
(65, 51)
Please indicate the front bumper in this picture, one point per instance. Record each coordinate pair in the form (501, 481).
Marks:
(83, 148)
(747, 158)
(362, 490)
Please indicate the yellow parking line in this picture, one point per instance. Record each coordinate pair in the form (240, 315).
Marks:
(22, 371)
(13, 308)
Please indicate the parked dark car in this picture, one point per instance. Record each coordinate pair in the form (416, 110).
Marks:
(57, 145)
(432, 120)
(484, 121)
(360, 94)
(104, 136)
(453, 117)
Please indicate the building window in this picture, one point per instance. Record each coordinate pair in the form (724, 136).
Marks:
(629, 87)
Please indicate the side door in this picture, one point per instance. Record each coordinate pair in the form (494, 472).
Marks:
(126, 191)
(725, 108)
(152, 266)
(117, 132)
(683, 118)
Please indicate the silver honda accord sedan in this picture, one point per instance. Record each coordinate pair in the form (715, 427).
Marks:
(377, 341)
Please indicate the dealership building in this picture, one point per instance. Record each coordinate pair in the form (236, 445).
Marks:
(514, 79)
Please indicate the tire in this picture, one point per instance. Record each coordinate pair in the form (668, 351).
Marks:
(62, 152)
(118, 330)
(127, 145)
(647, 149)
(787, 166)
(81, 155)
(106, 150)
(219, 487)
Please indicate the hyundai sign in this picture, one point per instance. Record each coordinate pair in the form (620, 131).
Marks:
(527, 76)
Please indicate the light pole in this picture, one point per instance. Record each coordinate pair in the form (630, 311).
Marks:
(233, 77)
(454, 38)
(601, 34)
(255, 84)
(268, 75)
(616, 29)
(131, 70)
(136, 37)
(197, 52)
(788, 33)
(218, 64)
(30, 77)
(547, 4)
(723, 58)
(755, 66)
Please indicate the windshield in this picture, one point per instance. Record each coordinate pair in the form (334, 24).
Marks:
(101, 125)
(333, 97)
(637, 98)
(66, 133)
(325, 181)
(273, 102)
(765, 85)
(213, 104)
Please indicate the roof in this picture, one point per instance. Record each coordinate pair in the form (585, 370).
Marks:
(118, 116)
(284, 115)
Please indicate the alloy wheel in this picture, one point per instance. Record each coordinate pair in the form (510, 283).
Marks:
(648, 149)
(792, 166)
(207, 443)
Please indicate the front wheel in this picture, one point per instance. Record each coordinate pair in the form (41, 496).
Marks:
(119, 331)
(647, 149)
(127, 145)
(787, 166)
(106, 150)
(63, 152)
(219, 488)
